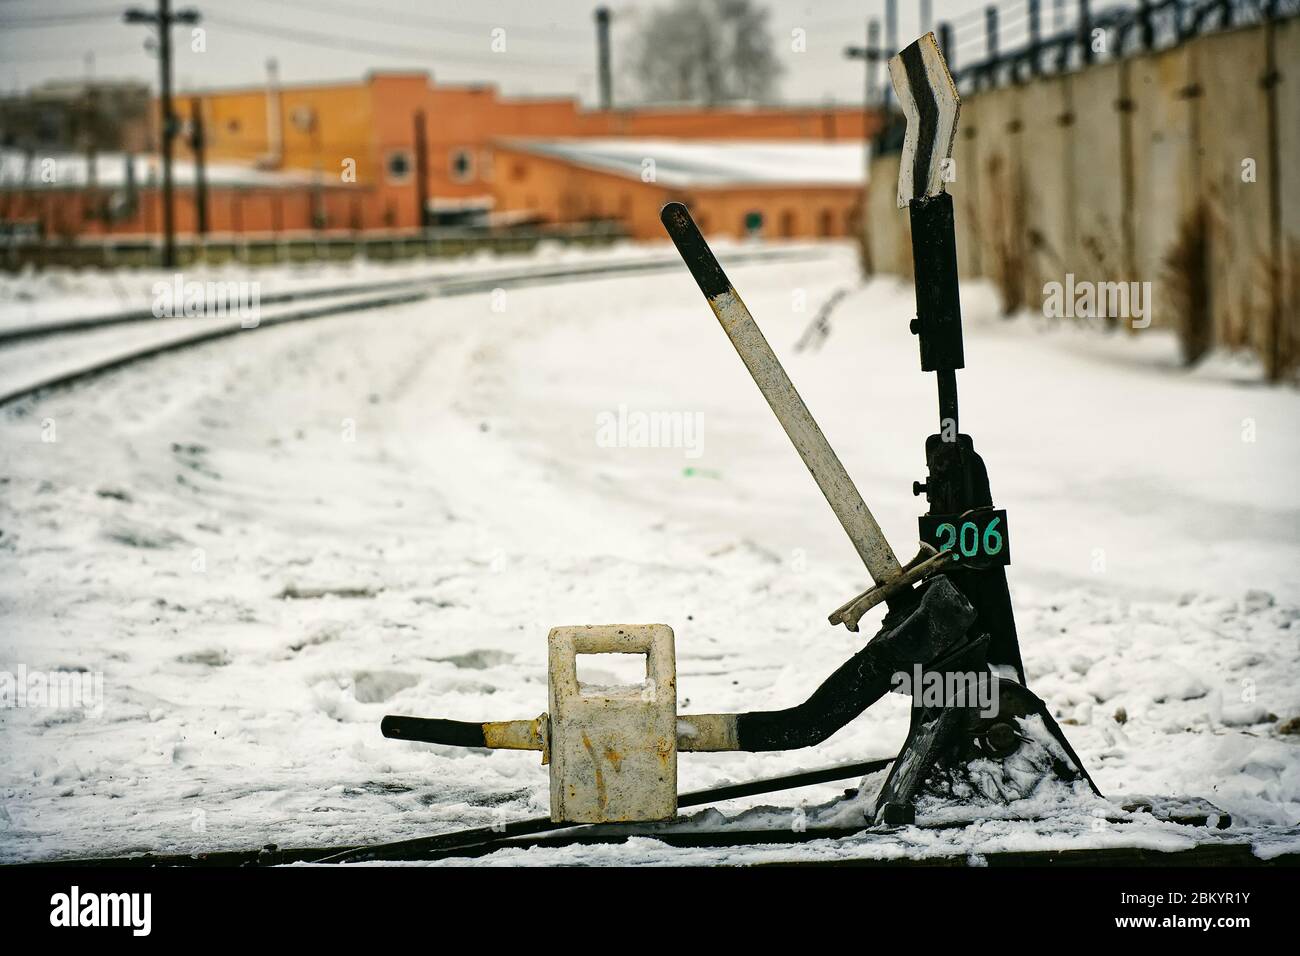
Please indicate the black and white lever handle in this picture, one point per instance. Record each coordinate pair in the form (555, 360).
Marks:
(929, 99)
(775, 384)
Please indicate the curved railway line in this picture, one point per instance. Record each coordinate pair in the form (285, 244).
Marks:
(37, 357)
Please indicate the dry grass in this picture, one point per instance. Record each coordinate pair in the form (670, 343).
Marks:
(861, 225)
(1186, 279)
(1006, 226)
(1283, 349)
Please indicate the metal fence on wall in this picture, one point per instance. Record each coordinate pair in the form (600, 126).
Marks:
(1015, 41)
(1170, 168)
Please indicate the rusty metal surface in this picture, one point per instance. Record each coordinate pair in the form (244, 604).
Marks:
(927, 562)
(518, 734)
(701, 733)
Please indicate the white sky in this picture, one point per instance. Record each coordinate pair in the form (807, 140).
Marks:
(549, 43)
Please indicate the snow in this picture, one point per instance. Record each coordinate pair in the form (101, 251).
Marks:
(222, 297)
(72, 171)
(33, 364)
(31, 298)
(265, 544)
(705, 163)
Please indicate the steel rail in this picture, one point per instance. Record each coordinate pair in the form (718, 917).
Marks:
(460, 840)
(396, 292)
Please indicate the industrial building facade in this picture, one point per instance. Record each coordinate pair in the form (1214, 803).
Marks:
(397, 151)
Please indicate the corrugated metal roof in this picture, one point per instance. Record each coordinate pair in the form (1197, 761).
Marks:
(704, 163)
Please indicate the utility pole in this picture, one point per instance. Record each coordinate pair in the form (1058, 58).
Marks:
(162, 21)
(873, 44)
(89, 132)
(128, 187)
(421, 172)
(198, 145)
(317, 172)
(602, 58)
(870, 96)
(891, 41)
(871, 54)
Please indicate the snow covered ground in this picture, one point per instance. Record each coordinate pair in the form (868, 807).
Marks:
(33, 298)
(267, 543)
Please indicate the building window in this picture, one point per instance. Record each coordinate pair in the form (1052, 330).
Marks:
(826, 223)
(398, 166)
(462, 165)
(518, 171)
(787, 224)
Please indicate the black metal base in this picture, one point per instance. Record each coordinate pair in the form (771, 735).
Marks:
(944, 740)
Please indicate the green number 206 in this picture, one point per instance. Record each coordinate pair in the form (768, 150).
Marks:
(968, 540)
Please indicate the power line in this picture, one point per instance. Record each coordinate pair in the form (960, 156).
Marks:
(59, 19)
(353, 44)
(976, 16)
(162, 20)
(372, 14)
(71, 53)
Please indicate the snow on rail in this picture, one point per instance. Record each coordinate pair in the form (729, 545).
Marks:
(59, 350)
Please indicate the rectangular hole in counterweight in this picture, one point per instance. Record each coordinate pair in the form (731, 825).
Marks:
(600, 672)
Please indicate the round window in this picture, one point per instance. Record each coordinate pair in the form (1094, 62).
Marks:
(399, 165)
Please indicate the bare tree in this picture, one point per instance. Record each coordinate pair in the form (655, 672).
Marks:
(705, 51)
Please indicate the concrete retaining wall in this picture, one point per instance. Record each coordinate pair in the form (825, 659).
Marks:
(1133, 171)
(1286, 54)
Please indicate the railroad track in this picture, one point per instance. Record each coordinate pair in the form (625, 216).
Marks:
(41, 356)
(1229, 849)
(1235, 853)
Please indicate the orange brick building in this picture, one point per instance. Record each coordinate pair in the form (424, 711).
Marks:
(347, 156)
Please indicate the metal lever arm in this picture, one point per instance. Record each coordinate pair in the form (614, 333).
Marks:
(497, 734)
(775, 384)
(939, 621)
